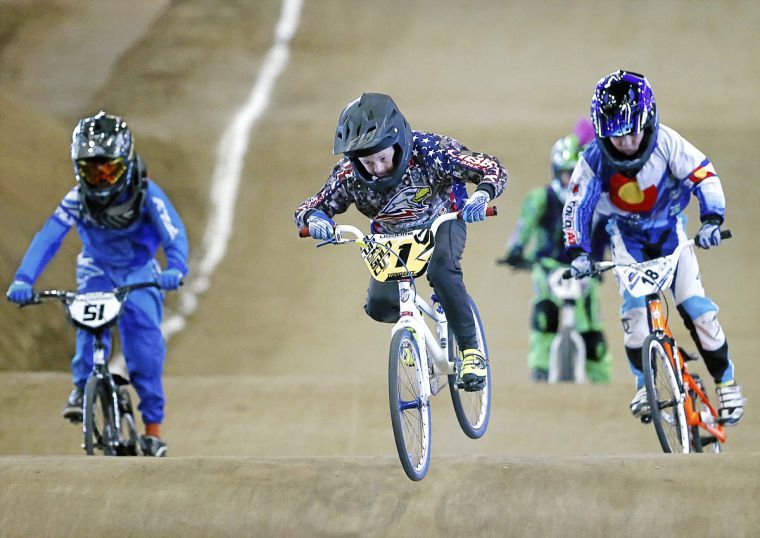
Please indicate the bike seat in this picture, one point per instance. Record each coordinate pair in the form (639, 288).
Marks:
(119, 380)
(687, 356)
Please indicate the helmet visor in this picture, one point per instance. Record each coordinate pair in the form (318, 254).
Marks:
(100, 173)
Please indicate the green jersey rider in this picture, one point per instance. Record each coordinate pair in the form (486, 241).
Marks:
(537, 242)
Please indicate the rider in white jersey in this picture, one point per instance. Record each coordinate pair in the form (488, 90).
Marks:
(641, 175)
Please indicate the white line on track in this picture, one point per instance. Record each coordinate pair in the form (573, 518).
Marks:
(229, 165)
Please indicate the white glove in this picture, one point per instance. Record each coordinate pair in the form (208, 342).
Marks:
(474, 209)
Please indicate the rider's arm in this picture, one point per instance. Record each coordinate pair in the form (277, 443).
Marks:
(691, 166)
(531, 211)
(47, 241)
(583, 193)
(169, 225)
(457, 162)
(333, 198)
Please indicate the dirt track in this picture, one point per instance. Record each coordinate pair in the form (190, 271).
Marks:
(279, 369)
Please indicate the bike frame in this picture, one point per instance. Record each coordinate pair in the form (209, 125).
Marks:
(654, 276)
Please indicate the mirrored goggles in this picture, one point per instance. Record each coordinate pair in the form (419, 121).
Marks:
(101, 173)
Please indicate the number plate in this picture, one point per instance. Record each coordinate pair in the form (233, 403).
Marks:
(646, 278)
(94, 309)
(393, 257)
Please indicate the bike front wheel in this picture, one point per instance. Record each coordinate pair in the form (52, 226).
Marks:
(473, 409)
(664, 395)
(567, 358)
(99, 425)
(410, 408)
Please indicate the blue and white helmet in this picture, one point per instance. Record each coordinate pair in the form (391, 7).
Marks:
(623, 103)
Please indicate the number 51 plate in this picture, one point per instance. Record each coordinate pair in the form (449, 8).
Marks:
(94, 309)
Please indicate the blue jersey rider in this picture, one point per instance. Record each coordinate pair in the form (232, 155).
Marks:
(403, 180)
(121, 217)
(642, 174)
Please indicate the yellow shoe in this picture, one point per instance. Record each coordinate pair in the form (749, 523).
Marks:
(474, 370)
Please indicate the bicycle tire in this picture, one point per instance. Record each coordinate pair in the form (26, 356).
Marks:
(98, 423)
(128, 442)
(563, 358)
(698, 441)
(664, 396)
(472, 409)
(410, 414)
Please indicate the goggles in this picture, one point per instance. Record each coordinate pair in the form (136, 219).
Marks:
(101, 173)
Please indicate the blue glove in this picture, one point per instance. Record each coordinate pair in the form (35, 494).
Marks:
(474, 209)
(708, 235)
(321, 226)
(582, 266)
(20, 292)
(170, 279)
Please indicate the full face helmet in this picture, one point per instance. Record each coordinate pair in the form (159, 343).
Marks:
(565, 154)
(623, 103)
(105, 167)
(371, 124)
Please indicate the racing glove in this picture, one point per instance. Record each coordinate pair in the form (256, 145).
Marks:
(321, 226)
(474, 209)
(20, 292)
(709, 234)
(581, 266)
(170, 279)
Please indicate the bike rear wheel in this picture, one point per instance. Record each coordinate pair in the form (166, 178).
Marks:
(99, 425)
(410, 409)
(473, 409)
(664, 395)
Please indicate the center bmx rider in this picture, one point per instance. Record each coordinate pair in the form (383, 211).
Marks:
(402, 180)
(121, 217)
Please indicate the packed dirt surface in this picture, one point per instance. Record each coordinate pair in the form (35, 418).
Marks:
(277, 413)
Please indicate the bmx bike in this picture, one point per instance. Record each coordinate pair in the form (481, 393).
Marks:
(420, 363)
(683, 417)
(567, 354)
(108, 423)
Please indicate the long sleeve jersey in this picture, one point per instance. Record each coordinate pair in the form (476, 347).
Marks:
(428, 188)
(648, 203)
(118, 249)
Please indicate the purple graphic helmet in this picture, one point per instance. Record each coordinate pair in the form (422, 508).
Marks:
(623, 103)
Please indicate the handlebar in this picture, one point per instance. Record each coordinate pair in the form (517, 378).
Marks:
(64, 295)
(601, 267)
(490, 212)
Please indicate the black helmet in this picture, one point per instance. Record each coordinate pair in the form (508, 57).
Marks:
(106, 168)
(371, 124)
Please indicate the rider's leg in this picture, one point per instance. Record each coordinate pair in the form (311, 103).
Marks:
(144, 350)
(700, 315)
(589, 322)
(90, 278)
(544, 320)
(445, 276)
(382, 301)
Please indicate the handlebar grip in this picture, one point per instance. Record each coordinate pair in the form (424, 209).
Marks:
(303, 232)
(726, 234)
(566, 274)
(491, 211)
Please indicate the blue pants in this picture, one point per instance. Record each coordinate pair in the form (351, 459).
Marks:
(139, 329)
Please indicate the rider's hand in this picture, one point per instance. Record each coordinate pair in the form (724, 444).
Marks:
(581, 266)
(474, 209)
(515, 257)
(321, 226)
(709, 234)
(20, 292)
(170, 279)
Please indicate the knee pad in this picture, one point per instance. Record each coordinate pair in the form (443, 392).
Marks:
(596, 346)
(635, 327)
(382, 311)
(700, 315)
(545, 317)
